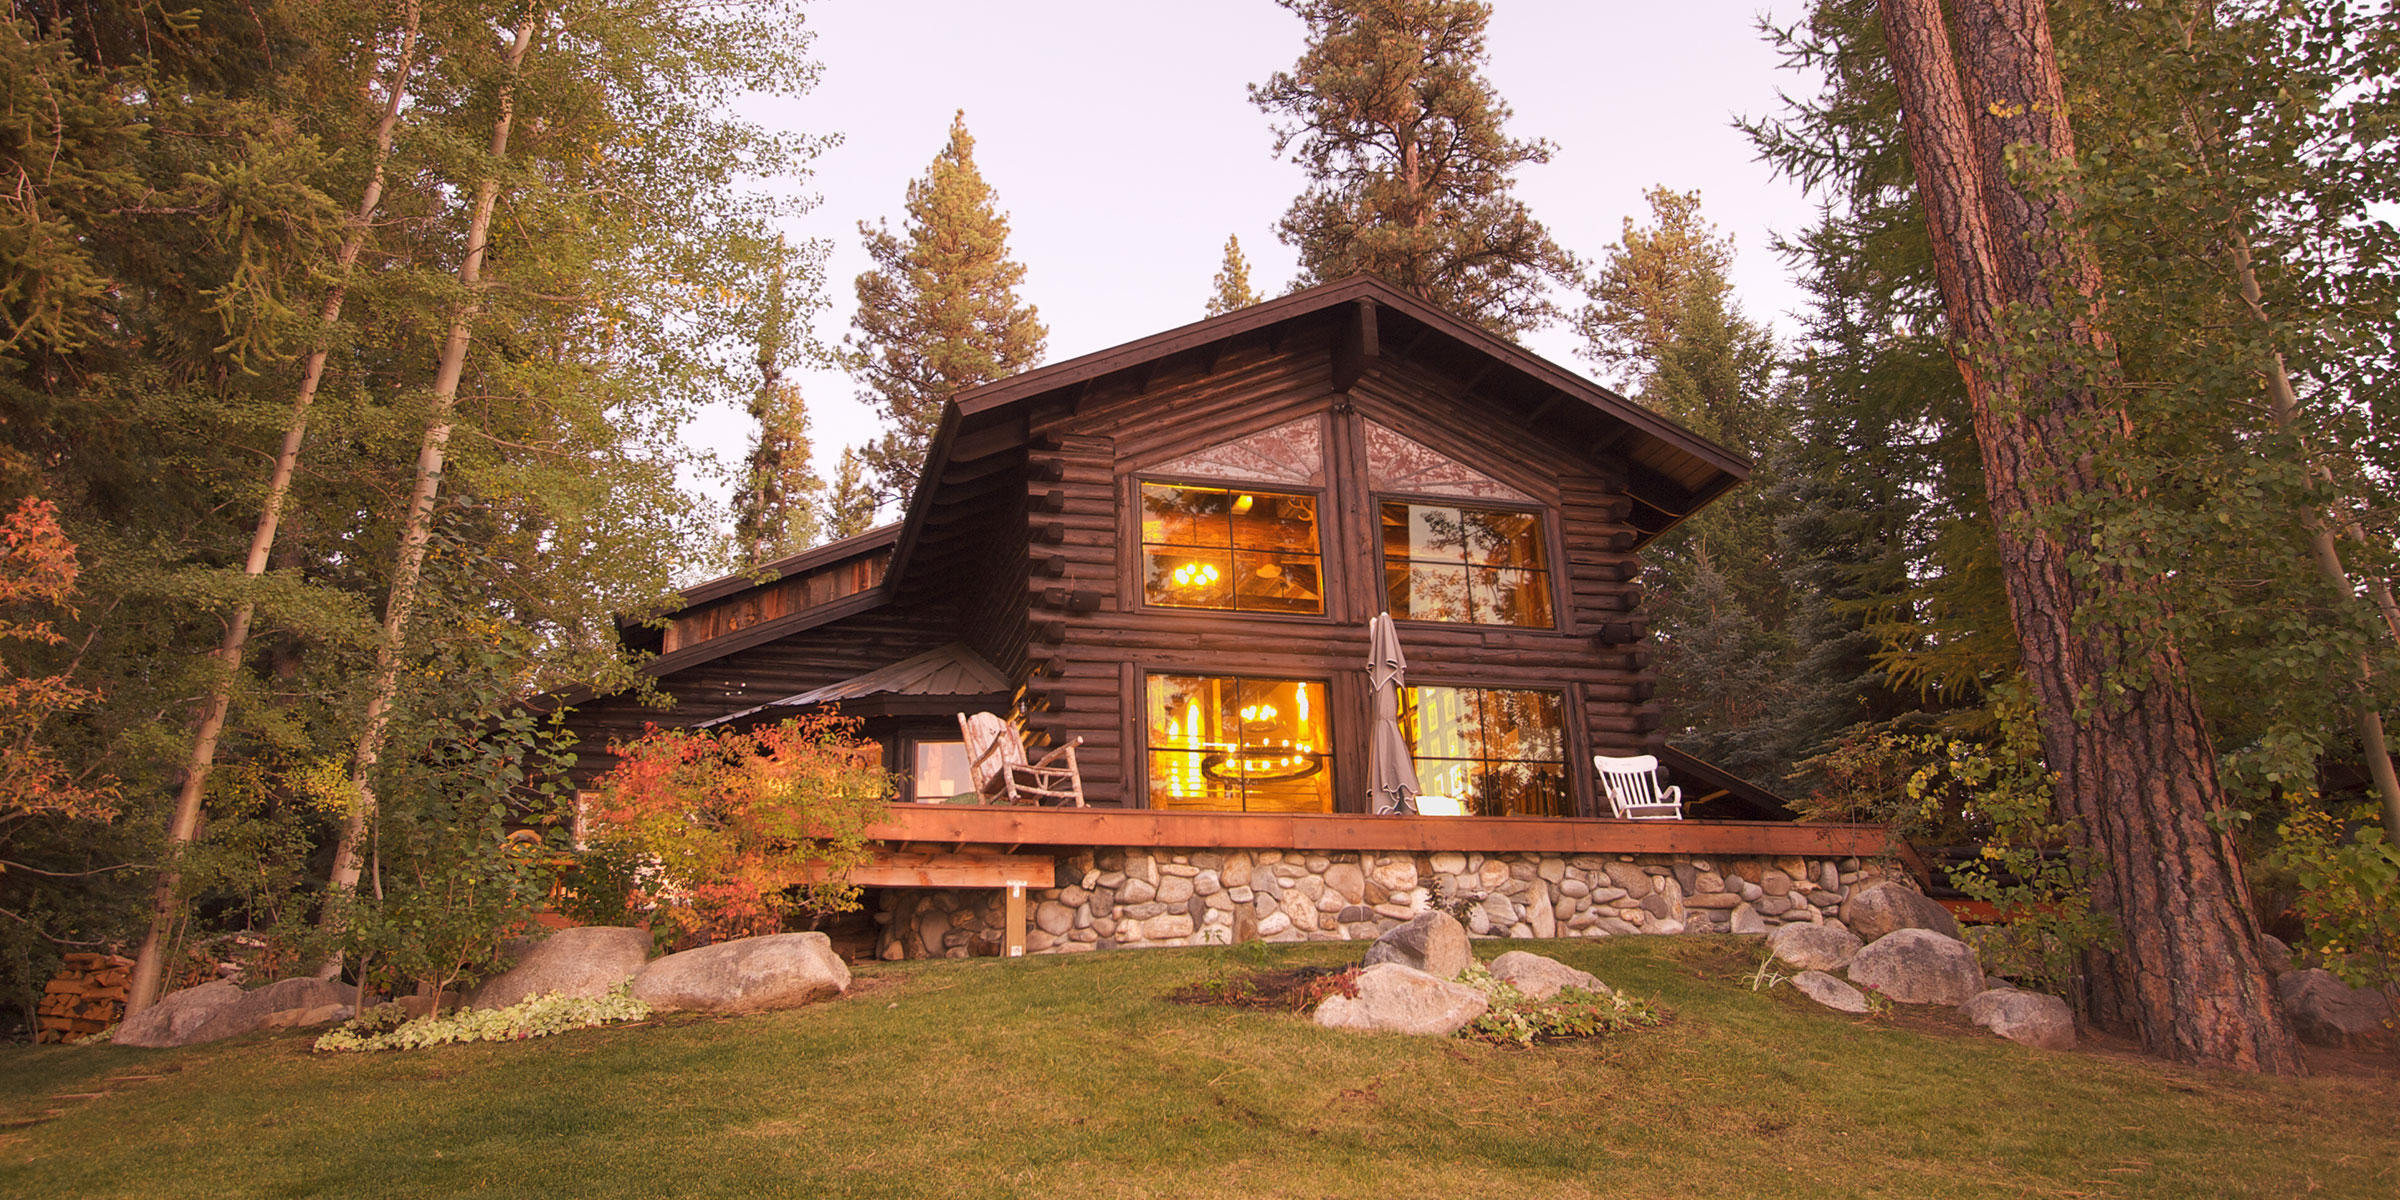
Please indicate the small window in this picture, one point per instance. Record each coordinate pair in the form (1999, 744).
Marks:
(1503, 752)
(1238, 745)
(1475, 566)
(1232, 549)
(938, 772)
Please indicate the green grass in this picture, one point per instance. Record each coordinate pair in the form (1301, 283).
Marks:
(1072, 1076)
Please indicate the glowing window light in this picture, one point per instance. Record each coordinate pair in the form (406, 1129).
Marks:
(1194, 574)
(1300, 692)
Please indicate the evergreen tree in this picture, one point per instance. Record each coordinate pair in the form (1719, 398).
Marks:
(1662, 311)
(775, 513)
(849, 505)
(938, 314)
(1232, 282)
(1410, 168)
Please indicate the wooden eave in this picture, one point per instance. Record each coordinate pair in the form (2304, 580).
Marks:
(1672, 471)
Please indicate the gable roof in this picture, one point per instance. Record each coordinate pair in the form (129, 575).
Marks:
(1673, 471)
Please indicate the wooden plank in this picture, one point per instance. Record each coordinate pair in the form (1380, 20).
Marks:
(961, 869)
(1015, 826)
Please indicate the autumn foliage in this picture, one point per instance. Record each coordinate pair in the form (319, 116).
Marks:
(732, 830)
(37, 572)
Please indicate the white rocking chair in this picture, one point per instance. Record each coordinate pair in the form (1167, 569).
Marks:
(997, 763)
(1633, 791)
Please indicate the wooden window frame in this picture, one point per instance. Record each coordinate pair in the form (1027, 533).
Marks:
(1569, 721)
(1553, 546)
(1129, 533)
(1138, 722)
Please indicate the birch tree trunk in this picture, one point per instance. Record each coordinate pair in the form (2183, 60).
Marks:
(2121, 727)
(147, 965)
(432, 455)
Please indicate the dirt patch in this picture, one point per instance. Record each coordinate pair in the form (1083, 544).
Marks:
(1292, 989)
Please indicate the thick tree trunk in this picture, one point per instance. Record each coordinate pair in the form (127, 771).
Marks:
(147, 965)
(432, 455)
(2121, 727)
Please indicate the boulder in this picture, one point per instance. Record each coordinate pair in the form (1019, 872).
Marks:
(1879, 909)
(1814, 947)
(780, 970)
(2277, 953)
(1541, 978)
(1432, 942)
(1919, 966)
(2327, 1012)
(1745, 921)
(2022, 1016)
(221, 1009)
(1395, 998)
(1829, 991)
(585, 961)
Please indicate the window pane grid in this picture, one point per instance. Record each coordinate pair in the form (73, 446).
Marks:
(1465, 565)
(1231, 549)
(1503, 752)
(1236, 743)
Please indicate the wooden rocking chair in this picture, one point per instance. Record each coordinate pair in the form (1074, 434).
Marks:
(1633, 791)
(996, 762)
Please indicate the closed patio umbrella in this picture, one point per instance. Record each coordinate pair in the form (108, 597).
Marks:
(1392, 774)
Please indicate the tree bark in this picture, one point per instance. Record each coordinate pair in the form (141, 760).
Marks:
(147, 965)
(2121, 727)
(432, 455)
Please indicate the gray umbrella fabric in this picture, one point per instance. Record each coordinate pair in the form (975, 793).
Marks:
(1392, 772)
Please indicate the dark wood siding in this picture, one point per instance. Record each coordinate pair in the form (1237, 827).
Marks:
(1091, 640)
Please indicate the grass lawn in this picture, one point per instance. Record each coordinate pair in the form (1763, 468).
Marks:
(1072, 1076)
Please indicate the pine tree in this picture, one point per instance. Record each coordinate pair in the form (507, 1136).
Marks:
(849, 505)
(1232, 282)
(1410, 168)
(775, 513)
(939, 313)
(1662, 312)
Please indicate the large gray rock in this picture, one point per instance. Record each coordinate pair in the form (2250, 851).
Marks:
(585, 961)
(1395, 998)
(2021, 1016)
(1541, 978)
(2328, 1012)
(1829, 991)
(780, 970)
(1814, 947)
(221, 1009)
(1433, 942)
(2277, 953)
(1883, 908)
(1919, 966)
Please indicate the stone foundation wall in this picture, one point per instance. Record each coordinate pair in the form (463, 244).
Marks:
(1127, 897)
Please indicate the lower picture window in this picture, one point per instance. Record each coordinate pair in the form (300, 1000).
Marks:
(1503, 752)
(1238, 744)
(938, 772)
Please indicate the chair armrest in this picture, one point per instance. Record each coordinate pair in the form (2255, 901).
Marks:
(1066, 751)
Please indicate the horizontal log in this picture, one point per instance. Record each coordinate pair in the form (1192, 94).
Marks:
(1010, 826)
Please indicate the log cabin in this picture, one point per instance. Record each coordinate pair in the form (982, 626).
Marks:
(1169, 552)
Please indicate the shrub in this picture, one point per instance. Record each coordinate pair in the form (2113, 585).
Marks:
(540, 1016)
(736, 829)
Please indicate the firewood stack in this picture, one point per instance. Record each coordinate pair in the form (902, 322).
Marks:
(86, 996)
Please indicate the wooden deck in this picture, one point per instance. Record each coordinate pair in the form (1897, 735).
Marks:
(916, 828)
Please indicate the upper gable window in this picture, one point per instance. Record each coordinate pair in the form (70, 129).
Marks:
(1477, 566)
(1232, 549)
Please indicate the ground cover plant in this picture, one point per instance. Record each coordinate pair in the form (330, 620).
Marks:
(1077, 1075)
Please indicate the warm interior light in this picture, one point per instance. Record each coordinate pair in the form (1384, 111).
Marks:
(1268, 571)
(1194, 574)
(1258, 713)
(1241, 504)
(1300, 690)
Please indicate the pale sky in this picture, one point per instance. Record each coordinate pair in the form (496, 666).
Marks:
(1122, 144)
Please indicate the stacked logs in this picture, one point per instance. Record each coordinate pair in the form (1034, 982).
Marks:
(86, 996)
